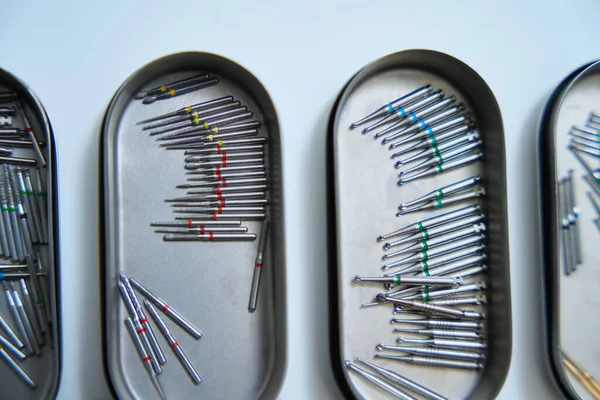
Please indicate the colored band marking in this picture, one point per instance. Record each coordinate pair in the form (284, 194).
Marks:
(218, 173)
(425, 246)
(165, 307)
(222, 203)
(42, 194)
(216, 129)
(189, 109)
(425, 255)
(210, 137)
(398, 279)
(190, 223)
(140, 331)
(223, 182)
(425, 234)
(219, 210)
(144, 321)
(440, 159)
(211, 236)
(218, 150)
(426, 293)
(29, 130)
(440, 194)
(163, 88)
(218, 189)
(422, 123)
(173, 92)
(1, 275)
(175, 344)
(196, 119)
(402, 112)
(40, 302)
(201, 229)
(438, 203)
(224, 157)
(430, 131)
(214, 217)
(413, 117)
(439, 169)
(206, 125)
(420, 227)
(436, 152)
(433, 140)
(258, 265)
(220, 142)
(389, 107)
(11, 209)
(146, 359)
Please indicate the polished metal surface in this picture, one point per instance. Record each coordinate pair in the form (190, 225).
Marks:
(571, 233)
(361, 173)
(241, 354)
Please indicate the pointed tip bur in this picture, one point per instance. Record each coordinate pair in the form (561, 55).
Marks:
(149, 100)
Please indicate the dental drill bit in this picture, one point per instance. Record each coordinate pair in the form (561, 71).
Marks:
(585, 148)
(567, 251)
(431, 141)
(141, 316)
(402, 381)
(211, 179)
(178, 92)
(10, 333)
(433, 123)
(454, 344)
(170, 312)
(594, 173)
(441, 168)
(417, 116)
(426, 294)
(16, 368)
(27, 328)
(196, 117)
(196, 224)
(425, 266)
(401, 280)
(432, 221)
(227, 189)
(448, 301)
(6, 218)
(214, 151)
(174, 344)
(28, 203)
(429, 131)
(225, 203)
(393, 105)
(217, 217)
(218, 172)
(444, 333)
(189, 109)
(439, 323)
(434, 351)
(205, 128)
(204, 229)
(218, 196)
(210, 237)
(379, 382)
(225, 182)
(444, 191)
(202, 137)
(30, 312)
(402, 112)
(12, 213)
(433, 230)
(447, 237)
(258, 264)
(172, 85)
(448, 311)
(39, 196)
(436, 149)
(141, 331)
(574, 216)
(41, 161)
(442, 158)
(222, 145)
(202, 119)
(434, 362)
(465, 267)
(443, 202)
(143, 353)
(224, 155)
(10, 347)
(426, 255)
(223, 163)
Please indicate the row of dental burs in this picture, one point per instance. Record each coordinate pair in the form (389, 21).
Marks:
(435, 284)
(23, 235)
(585, 146)
(225, 160)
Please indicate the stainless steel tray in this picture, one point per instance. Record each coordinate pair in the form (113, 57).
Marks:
(571, 300)
(241, 355)
(44, 370)
(362, 201)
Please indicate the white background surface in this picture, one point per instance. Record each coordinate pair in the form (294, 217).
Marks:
(75, 54)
